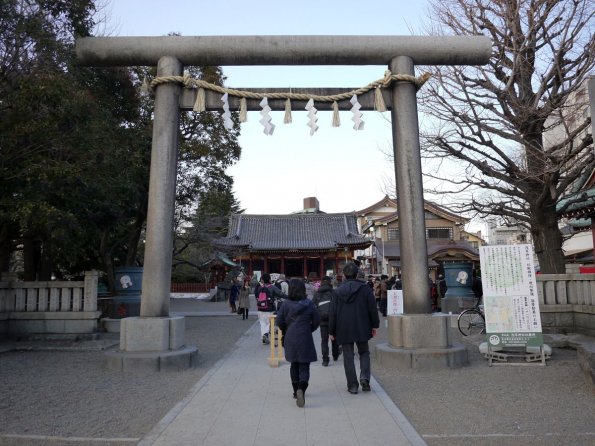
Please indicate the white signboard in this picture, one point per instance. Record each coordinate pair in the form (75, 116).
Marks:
(395, 302)
(510, 297)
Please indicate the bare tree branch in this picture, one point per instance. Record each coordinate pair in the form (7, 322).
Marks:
(499, 120)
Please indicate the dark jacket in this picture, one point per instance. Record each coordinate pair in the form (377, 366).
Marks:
(477, 287)
(353, 313)
(276, 294)
(322, 301)
(298, 320)
(441, 287)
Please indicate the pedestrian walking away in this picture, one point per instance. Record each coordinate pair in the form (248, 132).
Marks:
(233, 296)
(282, 284)
(244, 300)
(322, 301)
(297, 319)
(383, 294)
(267, 301)
(441, 289)
(310, 289)
(353, 320)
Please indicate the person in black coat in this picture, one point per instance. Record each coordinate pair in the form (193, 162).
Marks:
(353, 319)
(298, 319)
(322, 300)
(477, 286)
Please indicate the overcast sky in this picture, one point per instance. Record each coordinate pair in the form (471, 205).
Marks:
(344, 168)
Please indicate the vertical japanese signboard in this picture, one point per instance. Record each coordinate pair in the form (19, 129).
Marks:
(394, 302)
(510, 297)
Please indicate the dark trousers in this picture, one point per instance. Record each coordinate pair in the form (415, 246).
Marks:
(244, 313)
(349, 362)
(299, 371)
(383, 306)
(324, 338)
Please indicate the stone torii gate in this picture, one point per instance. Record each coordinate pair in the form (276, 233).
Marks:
(416, 338)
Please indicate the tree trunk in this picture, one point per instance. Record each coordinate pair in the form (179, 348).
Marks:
(108, 264)
(29, 259)
(6, 247)
(46, 262)
(135, 233)
(547, 239)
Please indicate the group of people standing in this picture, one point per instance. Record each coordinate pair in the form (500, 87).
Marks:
(347, 317)
(382, 284)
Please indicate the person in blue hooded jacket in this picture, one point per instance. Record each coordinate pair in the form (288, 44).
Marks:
(298, 319)
(353, 319)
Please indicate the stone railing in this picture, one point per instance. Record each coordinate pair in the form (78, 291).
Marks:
(567, 303)
(30, 308)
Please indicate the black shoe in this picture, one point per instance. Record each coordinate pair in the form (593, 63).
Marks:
(325, 362)
(365, 385)
(335, 358)
(352, 390)
(300, 400)
(301, 394)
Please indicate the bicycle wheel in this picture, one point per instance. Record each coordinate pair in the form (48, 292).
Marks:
(471, 322)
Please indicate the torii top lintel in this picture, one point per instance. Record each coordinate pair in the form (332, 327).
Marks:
(283, 50)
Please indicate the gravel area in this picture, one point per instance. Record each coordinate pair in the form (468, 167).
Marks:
(70, 397)
(71, 394)
(499, 405)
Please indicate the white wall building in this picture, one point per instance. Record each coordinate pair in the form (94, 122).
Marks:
(508, 235)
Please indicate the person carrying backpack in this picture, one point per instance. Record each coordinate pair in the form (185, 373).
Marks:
(268, 298)
(322, 301)
(282, 284)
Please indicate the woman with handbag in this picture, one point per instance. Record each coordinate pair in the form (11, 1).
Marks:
(298, 319)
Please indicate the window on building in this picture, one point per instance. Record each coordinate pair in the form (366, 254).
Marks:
(439, 233)
(393, 234)
(474, 244)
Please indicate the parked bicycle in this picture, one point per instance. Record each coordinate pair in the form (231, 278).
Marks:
(472, 320)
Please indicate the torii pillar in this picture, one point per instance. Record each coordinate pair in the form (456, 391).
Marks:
(416, 339)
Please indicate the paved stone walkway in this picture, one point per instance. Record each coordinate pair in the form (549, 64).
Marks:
(242, 400)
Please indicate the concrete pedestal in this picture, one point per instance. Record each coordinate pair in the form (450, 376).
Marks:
(420, 341)
(152, 343)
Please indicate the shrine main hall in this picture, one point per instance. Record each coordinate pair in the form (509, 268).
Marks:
(308, 243)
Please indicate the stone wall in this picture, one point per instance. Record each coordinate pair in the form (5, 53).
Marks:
(567, 303)
(48, 308)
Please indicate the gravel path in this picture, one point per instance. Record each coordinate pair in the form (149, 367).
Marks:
(71, 394)
(499, 405)
(70, 397)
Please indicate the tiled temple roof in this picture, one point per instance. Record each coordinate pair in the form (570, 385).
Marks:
(294, 232)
